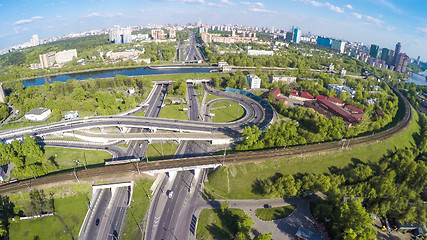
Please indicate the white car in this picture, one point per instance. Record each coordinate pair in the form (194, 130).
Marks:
(170, 194)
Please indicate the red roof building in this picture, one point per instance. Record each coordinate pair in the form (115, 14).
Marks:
(353, 109)
(306, 95)
(294, 92)
(282, 98)
(315, 108)
(275, 92)
(337, 111)
(336, 101)
(320, 97)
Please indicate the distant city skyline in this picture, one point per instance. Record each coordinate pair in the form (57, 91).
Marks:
(379, 22)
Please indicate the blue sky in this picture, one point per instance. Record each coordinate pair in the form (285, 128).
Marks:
(382, 22)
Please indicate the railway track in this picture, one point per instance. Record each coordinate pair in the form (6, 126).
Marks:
(253, 156)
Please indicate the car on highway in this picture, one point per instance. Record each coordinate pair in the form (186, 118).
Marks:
(170, 194)
(97, 222)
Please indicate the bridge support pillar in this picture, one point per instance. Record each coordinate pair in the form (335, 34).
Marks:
(150, 140)
(178, 141)
(153, 129)
(101, 129)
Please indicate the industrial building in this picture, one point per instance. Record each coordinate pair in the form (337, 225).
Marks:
(38, 114)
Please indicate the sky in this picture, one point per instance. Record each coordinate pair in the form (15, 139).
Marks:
(380, 22)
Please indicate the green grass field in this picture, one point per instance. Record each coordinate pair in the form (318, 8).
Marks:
(276, 213)
(70, 204)
(154, 151)
(137, 211)
(213, 224)
(242, 176)
(140, 114)
(64, 157)
(227, 111)
(210, 97)
(174, 112)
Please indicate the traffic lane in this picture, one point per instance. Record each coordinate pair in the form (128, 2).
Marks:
(98, 216)
(173, 207)
(118, 212)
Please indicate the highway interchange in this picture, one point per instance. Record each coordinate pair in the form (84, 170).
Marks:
(169, 218)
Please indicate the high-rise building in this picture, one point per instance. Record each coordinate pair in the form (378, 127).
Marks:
(47, 59)
(374, 50)
(324, 42)
(172, 33)
(396, 53)
(35, 40)
(390, 58)
(297, 35)
(401, 63)
(385, 54)
(1, 93)
(338, 45)
(418, 60)
(120, 35)
(206, 37)
(289, 36)
(157, 34)
(65, 56)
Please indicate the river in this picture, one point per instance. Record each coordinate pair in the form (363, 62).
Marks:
(419, 80)
(139, 71)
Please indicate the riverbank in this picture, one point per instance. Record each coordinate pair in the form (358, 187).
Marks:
(116, 68)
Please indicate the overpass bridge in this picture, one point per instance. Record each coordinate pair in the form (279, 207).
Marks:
(214, 138)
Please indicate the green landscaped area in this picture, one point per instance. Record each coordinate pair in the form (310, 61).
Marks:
(210, 97)
(174, 112)
(65, 157)
(241, 177)
(213, 224)
(70, 202)
(276, 213)
(226, 111)
(160, 151)
(140, 114)
(135, 214)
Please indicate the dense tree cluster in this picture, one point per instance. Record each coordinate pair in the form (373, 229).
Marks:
(393, 188)
(105, 96)
(178, 88)
(27, 156)
(4, 111)
(239, 225)
(308, 126)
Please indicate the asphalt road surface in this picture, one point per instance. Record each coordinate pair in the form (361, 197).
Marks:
(107, 214)
(138, 149)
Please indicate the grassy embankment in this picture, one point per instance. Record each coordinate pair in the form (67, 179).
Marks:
(215, 225)
(135, 214)
(154, 151)
(226, 111)
(276, 213)
(241, 177)
(70, 203)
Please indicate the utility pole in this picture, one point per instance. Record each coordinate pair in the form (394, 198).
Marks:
(75, 174)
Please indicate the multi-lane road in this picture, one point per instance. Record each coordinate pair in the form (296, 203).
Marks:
(106, 214)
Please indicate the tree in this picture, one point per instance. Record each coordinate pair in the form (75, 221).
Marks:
(266, 236)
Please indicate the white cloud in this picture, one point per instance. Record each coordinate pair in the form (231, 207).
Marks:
(334, 8)
(28, 20)
(373, 20)
(260, 10)
(390, 5)
(313, 3)
(227, 2)
(327, 4)
(193, 1)
(349, 6)
(356, 15)
(391, 28)
(422, 31)
(105, 15)
(253, 4)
